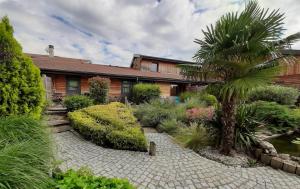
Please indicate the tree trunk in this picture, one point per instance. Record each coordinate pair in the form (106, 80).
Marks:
(228, 123)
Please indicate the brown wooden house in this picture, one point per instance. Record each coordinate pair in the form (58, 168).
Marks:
(291, 75)
(67, 76)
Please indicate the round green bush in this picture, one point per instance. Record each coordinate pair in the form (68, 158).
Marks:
(76, 102)
(21, 88)
(275, 93)
(144, 92)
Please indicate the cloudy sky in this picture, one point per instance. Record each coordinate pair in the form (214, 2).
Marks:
(111, 31)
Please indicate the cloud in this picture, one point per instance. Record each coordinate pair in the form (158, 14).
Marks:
(110, 32)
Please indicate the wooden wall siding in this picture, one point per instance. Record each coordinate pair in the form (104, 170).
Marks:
(84, 85)
(162, 67)
(115, 88)
(292, 69)
(59, 84)
(289, 80)
(165, 89)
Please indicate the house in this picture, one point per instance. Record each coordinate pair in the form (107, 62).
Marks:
(291, 75)
(68, 76)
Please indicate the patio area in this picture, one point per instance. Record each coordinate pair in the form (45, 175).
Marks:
(172, 167)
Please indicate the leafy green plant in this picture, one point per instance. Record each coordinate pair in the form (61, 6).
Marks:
(21, 88)
(99, 88)
(25, 153)
(153, 113)
(199, 137)
(76, 102)
(296, 141)
(279, 118)
(112, 125)
(252, 162)
(83, 178)
(245, 126)
(169, 126)
(275, 93)
(144, 92)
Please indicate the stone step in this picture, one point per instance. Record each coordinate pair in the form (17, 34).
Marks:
(56, 117)
(55, 123)
(56, 112)
(57, 109)
(60, 129)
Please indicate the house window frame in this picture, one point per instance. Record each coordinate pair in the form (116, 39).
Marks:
(73, 78)
(156, 68)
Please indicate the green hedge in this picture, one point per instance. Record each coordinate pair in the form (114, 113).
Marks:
(76, 102)
(274, 93)
(25, 153)
(112, 125)
(279, 118)
(144, 92)
(83, 178)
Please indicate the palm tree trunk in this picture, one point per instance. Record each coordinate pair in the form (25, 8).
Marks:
(228, 123)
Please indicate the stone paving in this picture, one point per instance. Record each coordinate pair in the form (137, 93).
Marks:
(172, 167)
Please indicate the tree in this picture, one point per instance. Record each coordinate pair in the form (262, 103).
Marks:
(21, 89)
(242, 51)
(99, 88)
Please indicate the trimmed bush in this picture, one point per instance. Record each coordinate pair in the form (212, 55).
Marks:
(83, 178)
(279, 118)
(76, 102)
(202, 98)
(25, 153)
(275, 93)
(112, 125)
(21, 88)
(99, 88)
(144, 92)
(153, 113)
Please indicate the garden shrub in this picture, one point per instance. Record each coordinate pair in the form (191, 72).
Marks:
(25, 153)
(275, 93)
(99, 88)
(153, 113)
(187, 95)
(112, 125)
(169, 126)
(200, 114)
(76, 102)
(279, 118)
(208, 99)
(21, 88)
(197, 136)
(199, 98)
(144, 92)
(83, 178)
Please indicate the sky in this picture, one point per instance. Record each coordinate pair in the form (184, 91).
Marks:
(111, 31)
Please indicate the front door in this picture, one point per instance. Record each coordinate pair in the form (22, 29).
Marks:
(73, 85)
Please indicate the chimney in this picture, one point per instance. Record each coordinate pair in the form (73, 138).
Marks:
(50, 50)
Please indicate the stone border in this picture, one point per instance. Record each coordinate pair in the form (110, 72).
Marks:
(277, 162)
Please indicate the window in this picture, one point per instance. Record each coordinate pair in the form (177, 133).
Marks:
(126, 88)
(153, 67)
(174, 90)
(73, 86)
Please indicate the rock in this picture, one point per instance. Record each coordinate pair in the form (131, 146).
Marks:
(289, 167)
(298, 170)
(266, 159)
(284, 156)
(152, 149)
(276, 163)
(258, 153)
(268, 147)
(294, 158)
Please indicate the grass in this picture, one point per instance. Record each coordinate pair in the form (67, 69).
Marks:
(25, 154)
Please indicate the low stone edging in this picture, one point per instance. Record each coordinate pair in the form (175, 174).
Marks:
(277, 161)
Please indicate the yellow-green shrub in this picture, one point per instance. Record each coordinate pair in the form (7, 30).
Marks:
(112, 125)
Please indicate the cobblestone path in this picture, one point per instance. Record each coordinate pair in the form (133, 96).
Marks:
(172, 167)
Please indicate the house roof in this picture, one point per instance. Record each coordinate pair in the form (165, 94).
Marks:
(154, 58)
(85, 67)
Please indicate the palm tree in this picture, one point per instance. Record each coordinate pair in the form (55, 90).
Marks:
(242, 51)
